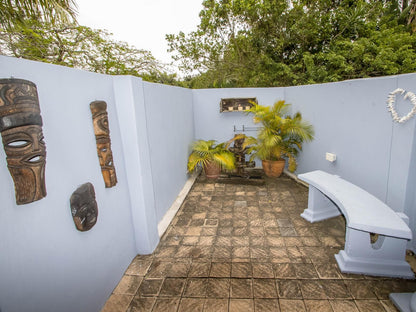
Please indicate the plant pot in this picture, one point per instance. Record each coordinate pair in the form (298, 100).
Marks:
(212, 170)
(273, 168)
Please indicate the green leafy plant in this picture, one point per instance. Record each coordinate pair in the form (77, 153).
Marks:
(281, 135)
(205, 152)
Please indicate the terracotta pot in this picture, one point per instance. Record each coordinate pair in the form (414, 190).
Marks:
(273, 168)
(212, 170)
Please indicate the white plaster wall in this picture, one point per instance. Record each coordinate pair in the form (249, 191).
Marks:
(45, 263)
(169, 116)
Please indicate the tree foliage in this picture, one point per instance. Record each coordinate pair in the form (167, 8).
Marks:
(241, 43)
(14, 12)
(81, 47)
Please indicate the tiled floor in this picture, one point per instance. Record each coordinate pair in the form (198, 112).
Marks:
(245, 248)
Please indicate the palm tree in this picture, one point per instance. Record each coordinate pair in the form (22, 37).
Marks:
(13, 12)
(281, 135)
(210, 155)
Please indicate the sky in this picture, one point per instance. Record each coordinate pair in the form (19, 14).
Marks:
(141, 23)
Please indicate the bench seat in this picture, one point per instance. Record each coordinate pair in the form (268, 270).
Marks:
(329, 196)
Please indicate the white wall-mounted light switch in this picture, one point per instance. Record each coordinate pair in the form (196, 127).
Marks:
(331, 157)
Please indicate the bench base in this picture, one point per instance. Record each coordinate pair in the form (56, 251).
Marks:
(375, 266)
(405, 302)
(386, 257)
(320, 207)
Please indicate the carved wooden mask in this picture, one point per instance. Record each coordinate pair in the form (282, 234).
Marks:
(84, 208)
(102, 138)
(21, 131)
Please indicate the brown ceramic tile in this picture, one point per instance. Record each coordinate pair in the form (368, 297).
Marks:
(220, 269)
(199, 269)
(140, 304)
(369, 306)
(343, 305)
(172, 287)
(361, 289)
(239, 305)
(262, 270)
(196, 287)
(266, 305)
(150, 287)
(327, 271)
(388, 306)
(291, 305)
(264, 288)
(166, 305)
(128, 285)
(191, 305)
(284, 271)
(317, 306)
(241, 288)
(241, 252)
(312, 289)
(241, 270)
(289, 289)
(138, 267)
(335, 289)
(158, 269)
(221, 252)
(216, 305)
(259, 247)
(166, 252)
(117, 303)
(305, 270)
(178, 269)
(218, 288)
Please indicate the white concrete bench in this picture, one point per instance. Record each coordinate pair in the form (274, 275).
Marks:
(329, 196)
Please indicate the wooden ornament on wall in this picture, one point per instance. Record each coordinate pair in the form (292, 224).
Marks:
(21, 131)
(84, 207)
(102, 138)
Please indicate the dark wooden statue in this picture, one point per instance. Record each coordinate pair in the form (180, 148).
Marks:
(240, 152)
(102, 137)
(84, 208)
(21, 131)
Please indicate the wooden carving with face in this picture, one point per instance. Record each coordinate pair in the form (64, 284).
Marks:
(84, 208)
(21, 131)
(102, 138)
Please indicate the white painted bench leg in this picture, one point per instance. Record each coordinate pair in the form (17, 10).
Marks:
(319, 207)
(386, 257)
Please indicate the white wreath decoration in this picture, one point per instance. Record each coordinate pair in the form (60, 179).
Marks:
(390, 104)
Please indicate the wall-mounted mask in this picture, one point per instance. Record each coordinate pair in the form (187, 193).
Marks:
(102, 138)
(84, 208)
(21, 131)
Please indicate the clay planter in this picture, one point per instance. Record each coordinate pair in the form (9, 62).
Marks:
(273, 168)
(212, 170)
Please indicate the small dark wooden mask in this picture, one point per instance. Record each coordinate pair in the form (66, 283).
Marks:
(21, 131)
(102, 138)
(84, 208)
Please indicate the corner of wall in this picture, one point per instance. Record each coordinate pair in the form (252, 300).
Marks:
(129, 99)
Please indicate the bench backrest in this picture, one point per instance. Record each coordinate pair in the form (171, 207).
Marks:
(362, 210)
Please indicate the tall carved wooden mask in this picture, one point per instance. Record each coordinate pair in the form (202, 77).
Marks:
(102, 138)
(21, 131)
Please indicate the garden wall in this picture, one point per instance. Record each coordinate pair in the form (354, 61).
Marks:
(46, 264)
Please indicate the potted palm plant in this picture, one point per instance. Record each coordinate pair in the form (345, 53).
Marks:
(211, 156)
(280, 137)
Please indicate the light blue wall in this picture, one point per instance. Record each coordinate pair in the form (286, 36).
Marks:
(210, 124)
(46, 264)
(169, 116)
